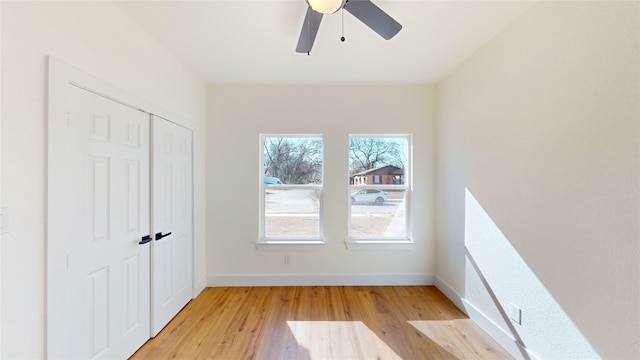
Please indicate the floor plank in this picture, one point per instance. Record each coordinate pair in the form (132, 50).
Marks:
(321, 322)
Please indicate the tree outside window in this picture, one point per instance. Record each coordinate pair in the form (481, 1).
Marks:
(291, 188)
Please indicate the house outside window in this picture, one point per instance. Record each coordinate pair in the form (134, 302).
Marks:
(388, 174)
(379, 188)
(291, 188)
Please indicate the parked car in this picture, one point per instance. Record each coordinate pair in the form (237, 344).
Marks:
(369, 196)
(269, 180)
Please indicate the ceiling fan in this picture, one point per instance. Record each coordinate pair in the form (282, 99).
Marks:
(364, 10)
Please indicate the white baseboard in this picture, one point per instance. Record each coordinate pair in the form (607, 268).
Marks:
(504, 339)
(320, 280)
(450, 293)
(508, 342)
(199, 286)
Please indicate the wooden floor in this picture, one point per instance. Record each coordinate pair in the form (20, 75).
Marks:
(318, 322)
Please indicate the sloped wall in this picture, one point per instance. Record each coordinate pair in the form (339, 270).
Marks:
(539, 180)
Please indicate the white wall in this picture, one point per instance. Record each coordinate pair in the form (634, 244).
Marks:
(98, 39)
(237, 115)
(1, 185)
(540, 129)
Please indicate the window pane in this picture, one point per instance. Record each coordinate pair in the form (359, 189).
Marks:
(378, 214)
(290, 213)
(292, 160)
(377, 160)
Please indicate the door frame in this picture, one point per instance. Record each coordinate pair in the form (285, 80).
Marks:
(60, 76)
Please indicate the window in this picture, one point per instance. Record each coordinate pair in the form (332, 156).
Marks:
(291, 189)
(379, 183)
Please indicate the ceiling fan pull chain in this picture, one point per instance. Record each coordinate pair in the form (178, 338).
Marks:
(342, 37)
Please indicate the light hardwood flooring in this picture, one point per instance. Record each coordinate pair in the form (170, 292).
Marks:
(321, 322)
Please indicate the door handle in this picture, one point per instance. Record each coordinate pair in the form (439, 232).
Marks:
(160, 235)
(145, 239)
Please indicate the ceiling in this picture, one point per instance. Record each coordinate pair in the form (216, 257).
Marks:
(253, 42)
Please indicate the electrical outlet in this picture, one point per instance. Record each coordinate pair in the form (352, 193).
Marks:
(287, 259)
(515, 313)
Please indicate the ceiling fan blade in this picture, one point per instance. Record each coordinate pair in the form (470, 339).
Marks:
(309, 31)
(372, 16)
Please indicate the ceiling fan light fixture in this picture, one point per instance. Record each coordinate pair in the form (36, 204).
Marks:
(364, 10)
(326, 6)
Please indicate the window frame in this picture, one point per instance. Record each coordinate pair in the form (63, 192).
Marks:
(289, 242)
(380, 241)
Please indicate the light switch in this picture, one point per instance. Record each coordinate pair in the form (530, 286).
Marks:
(5, 220)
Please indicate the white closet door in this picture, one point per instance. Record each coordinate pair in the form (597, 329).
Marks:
(104, 202)
(172, 221)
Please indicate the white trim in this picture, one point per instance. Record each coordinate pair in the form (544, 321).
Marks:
(449, 292)
(57, 285)
(195, 249)
(200, 285)
(290, 245)
(321, 280)
(78, 78)
(504, 339)
(355, 244)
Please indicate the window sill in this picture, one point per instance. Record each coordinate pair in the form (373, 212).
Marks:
(290, 245)
(380, 244)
